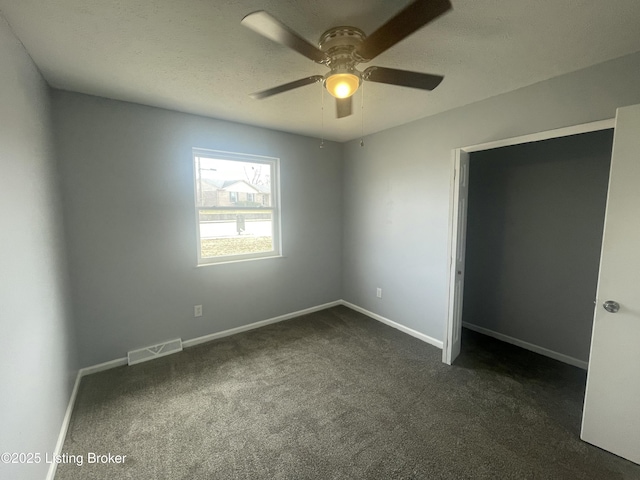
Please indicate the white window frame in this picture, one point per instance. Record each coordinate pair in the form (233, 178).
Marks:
(274, 209)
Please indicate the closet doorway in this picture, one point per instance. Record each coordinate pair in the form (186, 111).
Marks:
(533, 250)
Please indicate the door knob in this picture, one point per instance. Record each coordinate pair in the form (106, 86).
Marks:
(611, 306)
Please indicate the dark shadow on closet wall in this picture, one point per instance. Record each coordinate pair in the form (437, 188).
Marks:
(534, 232)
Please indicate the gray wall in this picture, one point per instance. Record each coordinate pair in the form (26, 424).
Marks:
(37, 358)
(397, 187)
(130, 224)
(534, 232)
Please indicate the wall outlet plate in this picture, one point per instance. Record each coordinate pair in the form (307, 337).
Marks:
(379, 292)
(197, 311)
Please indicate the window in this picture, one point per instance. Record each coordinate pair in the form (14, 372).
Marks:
(232, 224)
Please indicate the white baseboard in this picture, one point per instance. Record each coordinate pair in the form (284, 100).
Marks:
(213, 336)
(529, 346)
(262, 323)
(391, 323)
(118, 362)
(252, 326)
(65, 426)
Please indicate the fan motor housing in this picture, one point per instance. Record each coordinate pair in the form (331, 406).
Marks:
(340, 44)
(341, 36)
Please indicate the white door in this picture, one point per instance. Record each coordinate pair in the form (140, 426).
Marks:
(456, 276)
(611, 417)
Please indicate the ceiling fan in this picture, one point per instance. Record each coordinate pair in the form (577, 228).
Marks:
(341, 49)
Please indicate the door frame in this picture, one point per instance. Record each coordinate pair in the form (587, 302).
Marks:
(456, 236)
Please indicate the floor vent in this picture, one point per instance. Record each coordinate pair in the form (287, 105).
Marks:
(154, 351)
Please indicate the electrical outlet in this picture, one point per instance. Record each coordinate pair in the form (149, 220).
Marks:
(197, 311)
(379, 292)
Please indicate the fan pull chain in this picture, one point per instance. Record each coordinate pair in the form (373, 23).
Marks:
(362, 117)
(322, 117)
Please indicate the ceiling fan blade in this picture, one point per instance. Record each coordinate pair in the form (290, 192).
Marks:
(343, 107)
(273, 29)
(404, 78)
(286, 87)
(412, 18)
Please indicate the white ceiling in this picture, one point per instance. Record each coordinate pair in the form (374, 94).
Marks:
(194, 56)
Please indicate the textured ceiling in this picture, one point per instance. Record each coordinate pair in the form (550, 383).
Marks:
(194, 56)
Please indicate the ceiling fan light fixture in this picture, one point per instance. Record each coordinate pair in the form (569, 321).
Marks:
(342, 85)
(342, 49)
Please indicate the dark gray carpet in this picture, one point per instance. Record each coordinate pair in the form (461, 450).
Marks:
(336, 395)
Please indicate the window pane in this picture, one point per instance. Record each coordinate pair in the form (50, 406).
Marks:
(232, 183)
(236, 201)
(229, 232)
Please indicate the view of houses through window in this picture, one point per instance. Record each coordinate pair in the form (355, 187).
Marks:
(236, 206)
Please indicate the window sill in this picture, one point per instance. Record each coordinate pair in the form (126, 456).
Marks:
(243, 260)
